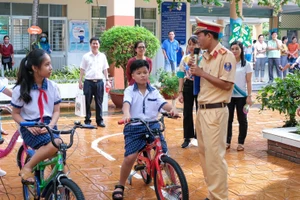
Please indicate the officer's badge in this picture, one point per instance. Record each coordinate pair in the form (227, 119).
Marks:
(227, 66)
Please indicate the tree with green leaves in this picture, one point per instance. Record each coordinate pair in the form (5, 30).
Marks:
(118, 44)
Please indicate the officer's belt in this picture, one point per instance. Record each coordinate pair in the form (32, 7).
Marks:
(213, 105)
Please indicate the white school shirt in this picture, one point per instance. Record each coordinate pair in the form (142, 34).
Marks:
(2, 87)
(31, 111)
(240, 77)
(145, 107)
(94, 65)
(260, 46)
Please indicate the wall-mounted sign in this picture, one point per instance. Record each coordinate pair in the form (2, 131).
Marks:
(173, 18)
(79, 36)
(34, 30)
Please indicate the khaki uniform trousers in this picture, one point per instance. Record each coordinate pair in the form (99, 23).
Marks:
(211, 128)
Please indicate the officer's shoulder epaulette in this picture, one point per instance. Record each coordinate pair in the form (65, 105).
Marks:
(222, 51)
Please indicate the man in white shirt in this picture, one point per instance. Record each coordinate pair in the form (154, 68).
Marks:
(94, 66)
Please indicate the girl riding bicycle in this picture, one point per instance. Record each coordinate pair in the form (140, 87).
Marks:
(35, 98)
(142, 101)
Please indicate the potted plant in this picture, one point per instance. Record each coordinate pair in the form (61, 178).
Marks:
(169, 84)
(283, 96)
(118, 45)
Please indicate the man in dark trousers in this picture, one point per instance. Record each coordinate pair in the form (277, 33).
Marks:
(94, 66)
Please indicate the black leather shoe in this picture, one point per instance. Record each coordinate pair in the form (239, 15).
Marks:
(206, 198)
(185, 143)
(101, 124)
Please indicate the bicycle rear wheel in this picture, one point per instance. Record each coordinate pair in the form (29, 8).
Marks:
(175, 185)
(146, 177)
(67, 190)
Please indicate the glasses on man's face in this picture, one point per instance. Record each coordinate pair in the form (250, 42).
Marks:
(141, 47)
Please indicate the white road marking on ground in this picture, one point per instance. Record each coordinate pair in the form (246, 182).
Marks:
(270, 122)
(136, 175)
(103, 153)
(20, 139)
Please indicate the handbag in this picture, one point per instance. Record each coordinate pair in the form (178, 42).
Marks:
(80, 107)
(6, 60)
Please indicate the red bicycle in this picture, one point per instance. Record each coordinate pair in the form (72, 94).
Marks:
(169, 179)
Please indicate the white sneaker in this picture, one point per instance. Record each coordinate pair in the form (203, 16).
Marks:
(194, 142)
(2, 173)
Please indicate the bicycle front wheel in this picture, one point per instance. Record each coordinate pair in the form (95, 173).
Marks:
(172, 184)
(67, 190)
(22, 157)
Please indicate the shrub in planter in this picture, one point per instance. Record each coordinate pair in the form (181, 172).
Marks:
(68, 74)
(169, 84)
(118, 44)
(283, 96)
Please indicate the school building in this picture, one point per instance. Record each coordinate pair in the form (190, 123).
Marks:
(65, 21)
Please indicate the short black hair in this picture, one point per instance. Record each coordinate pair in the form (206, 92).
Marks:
(284, 38)
(171, 32)
(214, 34)
(93, 39)
(273, 32)
(138, 64)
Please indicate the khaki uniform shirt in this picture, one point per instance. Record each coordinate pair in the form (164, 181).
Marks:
(219, 63)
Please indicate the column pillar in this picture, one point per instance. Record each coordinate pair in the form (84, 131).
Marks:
(221, 22)
(274, 22)
(235, 20)
(118, 16)
(257, 30)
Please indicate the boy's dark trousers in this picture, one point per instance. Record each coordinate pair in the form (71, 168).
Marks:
(188, 106)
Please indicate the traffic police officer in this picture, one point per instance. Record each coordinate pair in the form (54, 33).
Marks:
(217, 72)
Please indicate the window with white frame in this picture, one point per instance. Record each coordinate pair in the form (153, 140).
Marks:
(98, 20)
(146, 17)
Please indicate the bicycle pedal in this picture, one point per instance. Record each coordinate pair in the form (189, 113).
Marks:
(139, 167)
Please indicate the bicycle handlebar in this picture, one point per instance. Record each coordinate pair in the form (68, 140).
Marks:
(51, 131)
(163, 114)
(133, 120)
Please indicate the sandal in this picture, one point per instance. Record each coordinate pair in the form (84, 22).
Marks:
(227, 146)
(25, 175)
(118, 192)
(240, 147)
(3, 132)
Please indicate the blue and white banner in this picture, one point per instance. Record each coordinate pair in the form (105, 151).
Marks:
(79, 36)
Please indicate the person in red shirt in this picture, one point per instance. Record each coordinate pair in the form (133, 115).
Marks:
(7, 52)
(293, 50)
(140, 50)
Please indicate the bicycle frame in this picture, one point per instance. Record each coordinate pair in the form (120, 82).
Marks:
(58, 166)
(153, 163)
(10, 146)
